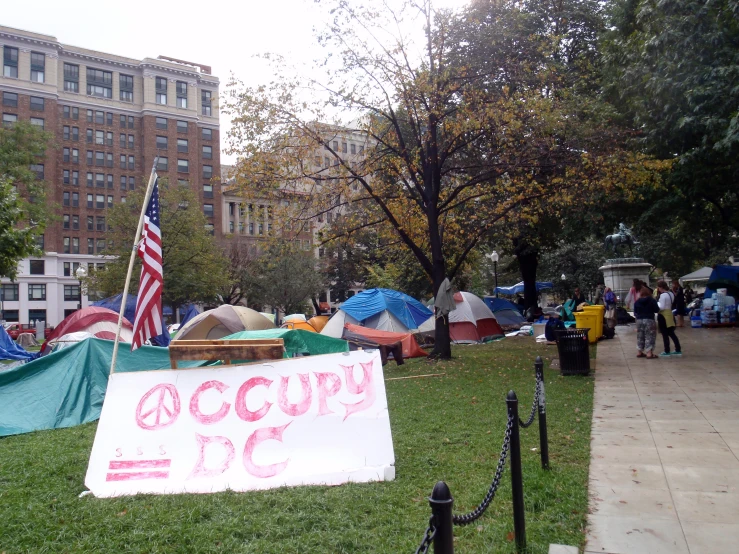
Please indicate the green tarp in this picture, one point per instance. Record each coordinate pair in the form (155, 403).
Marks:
(297, 341)
(67, 388)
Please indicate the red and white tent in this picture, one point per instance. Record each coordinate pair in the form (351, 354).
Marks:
(472, 321)
(98, 322)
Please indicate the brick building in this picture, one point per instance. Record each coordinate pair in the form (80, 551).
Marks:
(110, 116)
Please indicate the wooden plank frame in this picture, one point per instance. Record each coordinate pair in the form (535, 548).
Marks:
(225, 350)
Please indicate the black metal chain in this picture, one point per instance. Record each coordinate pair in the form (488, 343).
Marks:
(466, 519)
(428, 537)
(534, 405)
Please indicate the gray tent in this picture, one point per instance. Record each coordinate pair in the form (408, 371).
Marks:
(703, 274)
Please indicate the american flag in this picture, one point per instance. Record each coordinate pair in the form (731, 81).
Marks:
(148, 319)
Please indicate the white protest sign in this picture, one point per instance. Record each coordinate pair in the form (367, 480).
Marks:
(319, 420)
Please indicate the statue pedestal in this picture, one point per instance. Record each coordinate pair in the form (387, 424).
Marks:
(619, 274)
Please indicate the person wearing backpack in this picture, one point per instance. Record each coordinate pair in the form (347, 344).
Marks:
(666, 321)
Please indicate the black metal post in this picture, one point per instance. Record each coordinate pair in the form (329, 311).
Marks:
(79, 304)
(441, 502)
(495, 266)
(519, 520)
(542, 408)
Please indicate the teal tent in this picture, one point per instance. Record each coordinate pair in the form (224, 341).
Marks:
(297, 341)
(67, 388)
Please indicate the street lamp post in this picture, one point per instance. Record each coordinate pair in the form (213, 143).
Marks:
(81, 274)
(494, 258)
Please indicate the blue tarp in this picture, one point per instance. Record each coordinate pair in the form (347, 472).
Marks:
(374, 301)
(505, 311)
(9, 350)
(114, 303)
(191, 312)
(723, 277)
(518, 288)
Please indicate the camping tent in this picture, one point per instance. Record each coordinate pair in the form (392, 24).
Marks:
(9, 350)
(365, 336)
(99, 322)
(297, 341)
(518, 288)
(318, 322)
(703, 274)
(505, 311)
(222, 321)
(471, 321)
(67, 388)
(383, 309)
(724, 277)
(114, 303)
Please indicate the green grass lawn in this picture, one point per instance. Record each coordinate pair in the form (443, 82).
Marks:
(444, 428)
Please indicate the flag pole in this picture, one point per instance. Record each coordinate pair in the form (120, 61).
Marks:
(147, 197)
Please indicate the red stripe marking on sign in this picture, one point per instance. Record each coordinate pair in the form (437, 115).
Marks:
(137, 464)
(137, 476)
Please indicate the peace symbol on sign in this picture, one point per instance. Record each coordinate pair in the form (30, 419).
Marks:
(158, 408)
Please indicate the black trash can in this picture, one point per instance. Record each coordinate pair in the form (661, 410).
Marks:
(574, 351)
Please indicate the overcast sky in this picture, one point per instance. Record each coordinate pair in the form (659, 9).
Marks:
(224, 35)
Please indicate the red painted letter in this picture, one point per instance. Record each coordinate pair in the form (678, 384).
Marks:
(301, 407)
(156, 414)
(257, 437)
(208, 419)
(240, 402)
(367, 386)
(200, 470)
(326, 390)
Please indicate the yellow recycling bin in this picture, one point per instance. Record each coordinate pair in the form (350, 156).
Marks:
(588, 320)
(600, 311)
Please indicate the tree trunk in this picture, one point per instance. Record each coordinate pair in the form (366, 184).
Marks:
(442, 340)
(528, 259)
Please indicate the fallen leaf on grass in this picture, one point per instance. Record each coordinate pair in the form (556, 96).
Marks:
(510, 536)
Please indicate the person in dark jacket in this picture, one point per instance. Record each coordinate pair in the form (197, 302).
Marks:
(679, 306)
(578, 297)
(645, 308)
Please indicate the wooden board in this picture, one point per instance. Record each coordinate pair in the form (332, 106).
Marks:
(225, 350)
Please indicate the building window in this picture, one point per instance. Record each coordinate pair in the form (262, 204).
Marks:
(99, 83)
(162, 142)
(38, 67)
(37, 315)
(100, 180)
(90, 246)
(90, 201)
(10, 62)
(131, 162)
(90, 223)
(122, 140)
(72, 293)
(123, 122)
(110, 201)
(76, 222)
(75, 113)
(9, 292)
(182, 146)
(109, 139)
(183, 166)
(207, 152)
(65, 174)
(37, 292)
(231, 227)
(123, 182)
(100, 245)
(99, 117)
(75, 245)
(38, 122)
(354, 148)
(65, 112)
(89, 179)
(10, 99)
(344, 147)
(71, 77)
(66, 156)
(182, 126)
(100, 159)
(66, 220)
(75, 174)
(210, 228)
(100, 137)
(100, 224)
(126, 87)
(207, 191)
(208, 210)
(109, 180)
(161, 122)
(205, 100)
(336, 145)
(130, 141)
(89, 134)
(37, 267)
(65, 199)
(66, 132)
(9, 119)
(89, 116)
(109, 160)
(75, 200)
(38, 169)
(207, 134)
(163, 163)
(251, 228)
(131, 122)
(131, 183)
(75, 133)
(100, 201)
(109, 118)
(161, 91)
(207, 171)
(123, 161)
(181, 88)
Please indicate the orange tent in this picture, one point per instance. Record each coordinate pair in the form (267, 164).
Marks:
(366, 334)
(318, 322)
(298, 324)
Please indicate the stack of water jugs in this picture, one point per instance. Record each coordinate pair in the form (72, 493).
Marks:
(720, 308)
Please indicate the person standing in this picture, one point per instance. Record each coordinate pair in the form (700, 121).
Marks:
(666, 321)
(578, 298)
(633, 295)
(609, 300)
(645, 308)
(677, 290)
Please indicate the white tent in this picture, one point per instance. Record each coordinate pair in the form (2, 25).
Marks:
(470, 322)
(703, 274)
(383, 321)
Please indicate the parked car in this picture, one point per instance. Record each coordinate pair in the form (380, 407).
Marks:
(15, 329)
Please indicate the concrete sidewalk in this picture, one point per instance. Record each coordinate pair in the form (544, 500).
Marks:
(664, 470)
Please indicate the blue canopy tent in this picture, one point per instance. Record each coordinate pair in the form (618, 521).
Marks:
(371, 302)
(723, 277)
(505, 311)
(114, 303)
(9, 350)
(518, 288)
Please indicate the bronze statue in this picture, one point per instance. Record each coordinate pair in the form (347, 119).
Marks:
(623, 237)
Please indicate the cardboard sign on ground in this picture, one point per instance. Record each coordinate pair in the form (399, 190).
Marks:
(319, 420)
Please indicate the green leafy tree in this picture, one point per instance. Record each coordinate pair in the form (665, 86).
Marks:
(23, 209)
(287, 278)
(243, 264)
(194, 267)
